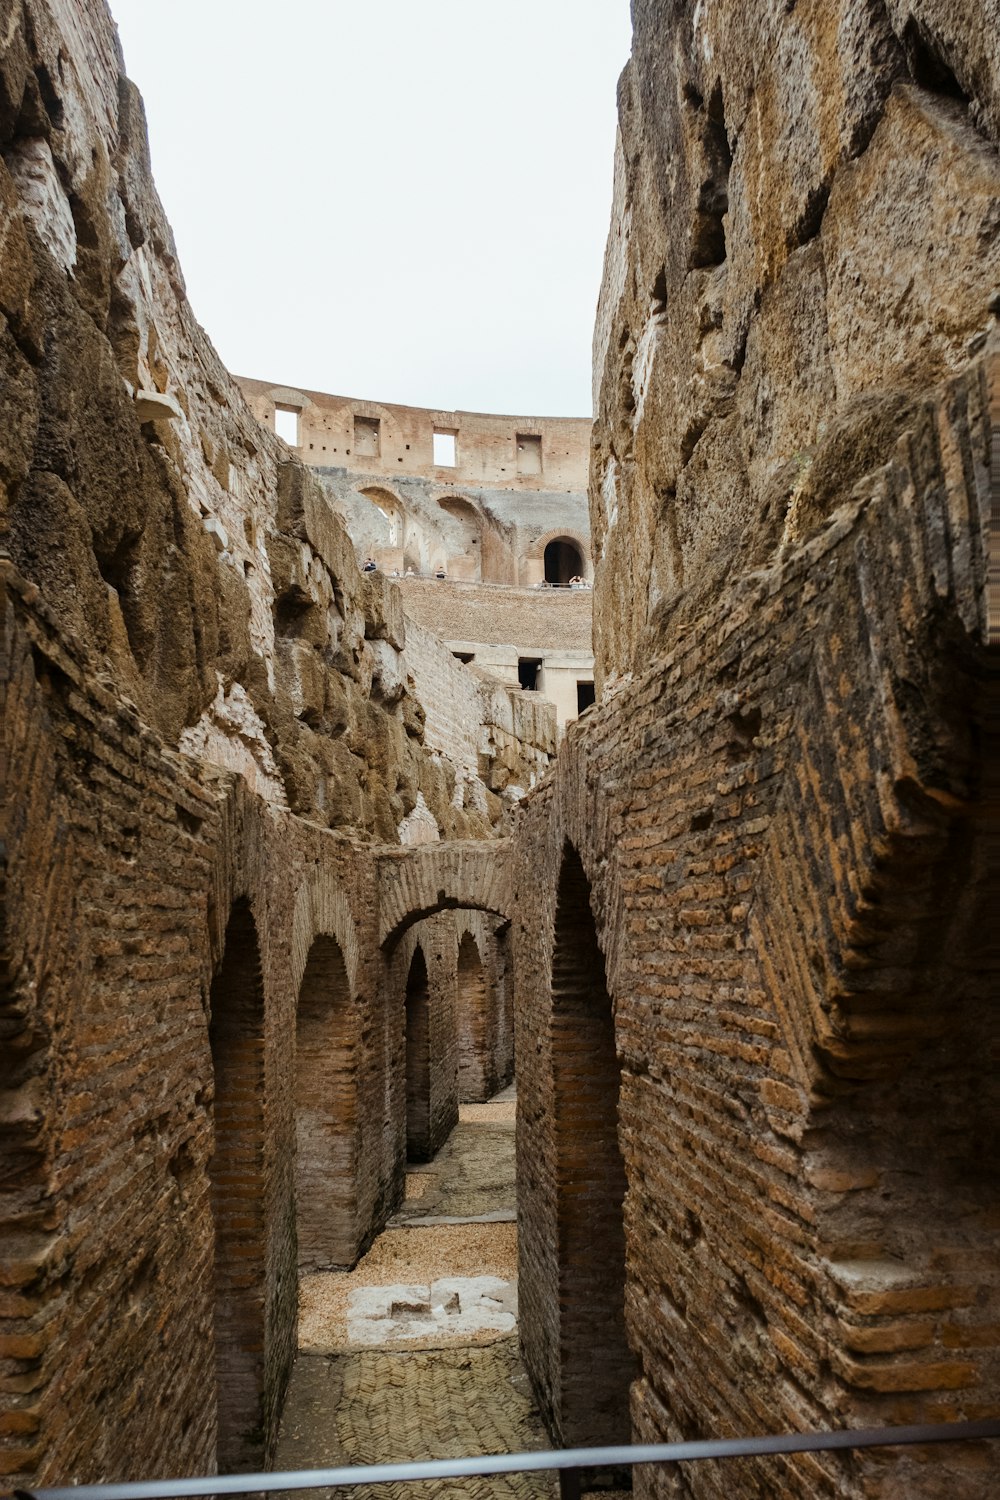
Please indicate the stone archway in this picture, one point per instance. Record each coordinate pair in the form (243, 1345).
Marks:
(562, 560)
(595, 1363)
(415, 883)
(326, 1111)
(236, 1036)
(418, 1060)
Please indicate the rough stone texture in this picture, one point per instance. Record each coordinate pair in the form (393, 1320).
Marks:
(785, 823)
(804, 240)
(760, 877)
(125, 865)
(165, 527)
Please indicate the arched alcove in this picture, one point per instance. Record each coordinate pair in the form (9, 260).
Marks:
(563, 560)
(418, 1061)
(463, 539)
(474, 1026)
(236, 1037)
(326, 1111)
(595, 1363)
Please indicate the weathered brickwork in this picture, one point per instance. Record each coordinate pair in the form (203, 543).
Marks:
(784, 823)
(178, 956)
(278, 891)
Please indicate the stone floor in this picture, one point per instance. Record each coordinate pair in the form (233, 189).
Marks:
(414, 1354)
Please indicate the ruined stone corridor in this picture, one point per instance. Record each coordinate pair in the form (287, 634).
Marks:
(414, 1354)
(297, 861)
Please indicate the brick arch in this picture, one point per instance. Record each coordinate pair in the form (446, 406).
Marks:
(536, 551)
(322, 909)
(327, 1044)
(416, 883)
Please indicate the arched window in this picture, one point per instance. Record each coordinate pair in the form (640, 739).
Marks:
(236, 1037)
(326, 1112)
(563, 561)
(596, 1365)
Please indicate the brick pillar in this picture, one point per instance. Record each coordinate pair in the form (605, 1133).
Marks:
(475, 1062)
(326, 1112)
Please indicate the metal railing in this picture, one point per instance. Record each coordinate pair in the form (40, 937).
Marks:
(568, 1462)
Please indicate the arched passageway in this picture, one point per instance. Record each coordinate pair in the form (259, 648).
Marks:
(595, 1362)
(418, 1061)
(473, 1024)
(326, 1111)
(236, 1036)
(563, 560)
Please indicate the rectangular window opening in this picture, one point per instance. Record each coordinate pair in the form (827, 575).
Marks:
(445, 449)
(464, 656)
(529, 453)
(367, 437)
(286, 424)
(528, 669)
(585, 696)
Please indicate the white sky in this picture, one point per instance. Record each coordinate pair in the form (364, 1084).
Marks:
(398, 199)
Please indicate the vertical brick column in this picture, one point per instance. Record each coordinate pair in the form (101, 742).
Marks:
(326, 1111)
(236, 1035)
(475, 1064)
(596, 1365)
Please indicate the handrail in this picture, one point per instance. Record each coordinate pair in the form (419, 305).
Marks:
(514, 1463)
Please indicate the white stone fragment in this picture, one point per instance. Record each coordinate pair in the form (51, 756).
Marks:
(156, 406)
(217, 532)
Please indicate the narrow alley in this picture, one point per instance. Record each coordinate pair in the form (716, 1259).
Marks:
(414, 1353)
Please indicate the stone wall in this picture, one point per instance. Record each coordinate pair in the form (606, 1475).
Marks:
(764, 854)
(164, 526)
(182, 962)
(533, 619)
(803, 242)
(132, 877)
(781, 827)
(489, 729)
(208, 733)
(380, 438)
(477, 533)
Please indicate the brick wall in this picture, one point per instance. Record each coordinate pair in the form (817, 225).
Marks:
(158, 921)
(783, 823)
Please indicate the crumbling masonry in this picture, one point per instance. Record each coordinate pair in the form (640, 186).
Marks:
(266, 916)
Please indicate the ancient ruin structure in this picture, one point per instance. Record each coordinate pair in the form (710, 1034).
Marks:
(283, 881)
(495, 505)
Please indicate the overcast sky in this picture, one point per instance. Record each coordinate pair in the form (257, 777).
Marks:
(398, 199)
